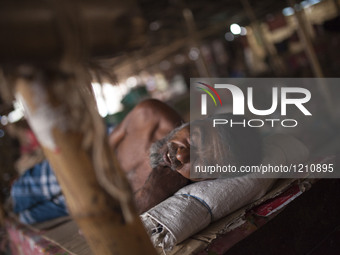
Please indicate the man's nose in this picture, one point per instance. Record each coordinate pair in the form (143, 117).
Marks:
(183, 155)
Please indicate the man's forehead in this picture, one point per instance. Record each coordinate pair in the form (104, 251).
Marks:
(184, 126)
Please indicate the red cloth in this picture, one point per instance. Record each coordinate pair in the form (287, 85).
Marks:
(31, 144)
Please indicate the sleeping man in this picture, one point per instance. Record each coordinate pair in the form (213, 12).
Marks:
(153, 148)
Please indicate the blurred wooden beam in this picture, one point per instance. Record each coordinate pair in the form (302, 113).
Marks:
(41, 31)
(275, 64)
(306, 40)
(101, 217)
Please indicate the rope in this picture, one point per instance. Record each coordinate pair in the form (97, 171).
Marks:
(202, 202)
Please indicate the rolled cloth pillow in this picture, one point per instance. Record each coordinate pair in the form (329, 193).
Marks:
(195, 206)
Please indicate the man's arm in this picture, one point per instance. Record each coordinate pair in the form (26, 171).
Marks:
(148, 122)
(151, 117)
(161, 184)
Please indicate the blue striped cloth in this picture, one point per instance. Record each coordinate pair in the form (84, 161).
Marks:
(37, 196)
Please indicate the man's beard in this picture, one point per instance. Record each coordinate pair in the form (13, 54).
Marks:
(160, 147)
(156, 157)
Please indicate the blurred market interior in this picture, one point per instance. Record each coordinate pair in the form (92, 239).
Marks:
(186, 39)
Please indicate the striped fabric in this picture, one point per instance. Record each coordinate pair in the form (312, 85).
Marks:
(37, 196)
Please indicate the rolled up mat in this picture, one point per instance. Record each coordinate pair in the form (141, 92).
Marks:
(195, 206)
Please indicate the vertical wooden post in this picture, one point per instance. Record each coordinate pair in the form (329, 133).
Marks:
(275, 63)
(99, 216)
(200, 62)
(306, 41)
(313, 59)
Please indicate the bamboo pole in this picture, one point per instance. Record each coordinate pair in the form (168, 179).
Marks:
(200, 62)
(274, 60)
(305, 38)
(99, 216)
(306, 41)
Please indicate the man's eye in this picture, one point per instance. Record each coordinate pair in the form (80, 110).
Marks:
(191, 143)
(191, 139)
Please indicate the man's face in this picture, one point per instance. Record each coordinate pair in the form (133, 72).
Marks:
(174, 149)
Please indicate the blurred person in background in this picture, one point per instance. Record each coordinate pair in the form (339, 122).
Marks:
(29, 148)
